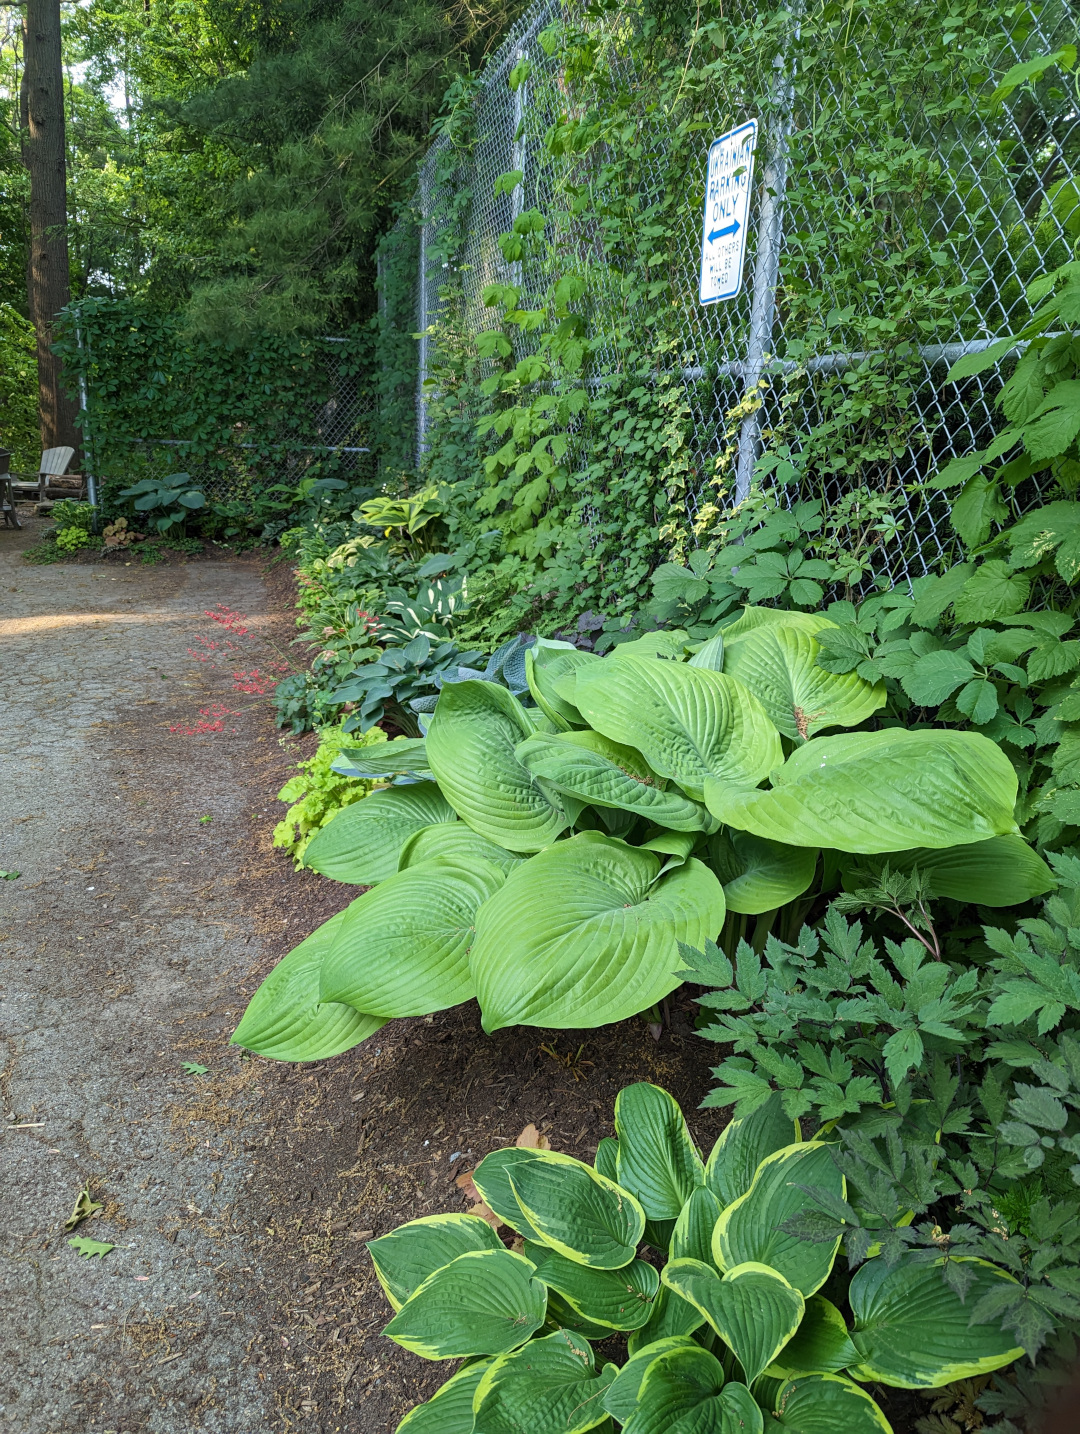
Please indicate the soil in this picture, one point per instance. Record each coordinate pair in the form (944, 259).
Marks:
(238, 1295)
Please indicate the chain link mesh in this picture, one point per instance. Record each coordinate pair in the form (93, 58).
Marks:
(977, 205)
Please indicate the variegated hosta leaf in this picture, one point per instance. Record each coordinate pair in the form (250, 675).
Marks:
(287, 1020)
(470, 748)
(403, 947)
(880, 791)
(450, 1409)
(822, 1404)
(617, 1299)
(604, 774)
(779, 665)
(620, 1399)
(457, 842)
(362, 843)
(913, 1332)
(584, 934)
(750, 1230)
(690, 724)
(482, 1302)
(684, 1389)
(550, 1387)
(691, 1239)
(753, 1309)
(405, 1257)
(576, 1211)
(822, 1344)
(657, 1161)
(1004, 871)
(757, 874)
(743, 1145)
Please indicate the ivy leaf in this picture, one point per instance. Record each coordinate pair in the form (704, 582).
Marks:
(992, 591)
(83, 1245)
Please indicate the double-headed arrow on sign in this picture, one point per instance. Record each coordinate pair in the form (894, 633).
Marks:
(732, 228)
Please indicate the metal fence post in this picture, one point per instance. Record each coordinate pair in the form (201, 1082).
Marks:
(766, 262)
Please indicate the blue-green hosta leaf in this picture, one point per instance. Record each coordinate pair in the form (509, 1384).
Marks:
(482, 1302)
(743, 1145)
(690, 724)
(604, 774)
(825, 1404)
(616, 1299)
(757, 874)
(1003, 871)
(779, 666)
(403, 947)
(822, 1344)
(543, 667)
(362, 844)
(470, 748)
(683, 1392)
(286, 1019)
(450, 1409)
(621, 1397)
(748, 1231)
(657, 1160)
(492, 1178)
(880, 791)
(753, 1309)
(912, 1331)
(552, 1386)
(575, 1211)
(456, 841)
(404, 1258)
(584, 934)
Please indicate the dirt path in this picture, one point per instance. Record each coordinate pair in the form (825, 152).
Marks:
(239, 1295)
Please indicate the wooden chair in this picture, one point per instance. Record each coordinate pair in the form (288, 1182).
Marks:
(7, 497)
(54, 462)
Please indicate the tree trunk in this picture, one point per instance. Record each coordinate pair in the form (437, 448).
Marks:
(44, 154)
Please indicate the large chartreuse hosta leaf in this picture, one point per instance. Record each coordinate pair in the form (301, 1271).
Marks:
(1003, 871)
(456, 841)
(912, 1330)
(482, 1302)
(588, 766)
(584, 934)
(551, 1386)
(546, 662)
(779, 665)
(470, 748)
(757, 874)
(403, 948)
(405, 1257)
(361, 845)
(287, 1020)
(753, 1309)
(690, 724)
(880, 791)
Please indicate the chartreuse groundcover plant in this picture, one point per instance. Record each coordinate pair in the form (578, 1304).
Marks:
(549, 860)
(734, 1325)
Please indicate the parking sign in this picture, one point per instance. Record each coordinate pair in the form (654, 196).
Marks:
(727, 205)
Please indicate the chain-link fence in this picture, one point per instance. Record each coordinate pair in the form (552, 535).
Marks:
(983, 199)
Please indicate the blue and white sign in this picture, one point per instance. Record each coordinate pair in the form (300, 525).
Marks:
(727, 205)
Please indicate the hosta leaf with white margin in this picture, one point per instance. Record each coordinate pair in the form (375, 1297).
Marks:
(403, 947)
(604, 774)
(552, 1386)
(362, 843)
(584, 934)
(622, 1395)
(617, 1299)
(822, 1344)
(883, 791)
(1004, 871)
(657, 1160)
(684, 1392)
(287, 1020)
(543, 667)
(824, 1404)
(779, 666)
(405, 1257)
(691, 1239)
(450, 1409)
(482, 1302)
(575, 1211)
(743, 1145)
(456, 841)
(753, 1309)
(749, 1230)
(470, 748)
(757, 874)
(404, 755)
(690, 724)
(491, 1177)
(912, 1331)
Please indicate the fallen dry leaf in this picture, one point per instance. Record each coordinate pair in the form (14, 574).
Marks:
(531, 1139)
(464, 1183)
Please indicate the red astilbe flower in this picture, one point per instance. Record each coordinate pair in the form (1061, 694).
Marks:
(228, 618)
(212, 719)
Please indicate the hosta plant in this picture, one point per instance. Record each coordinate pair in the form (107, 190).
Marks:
(548, 861)
(732, 1325)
